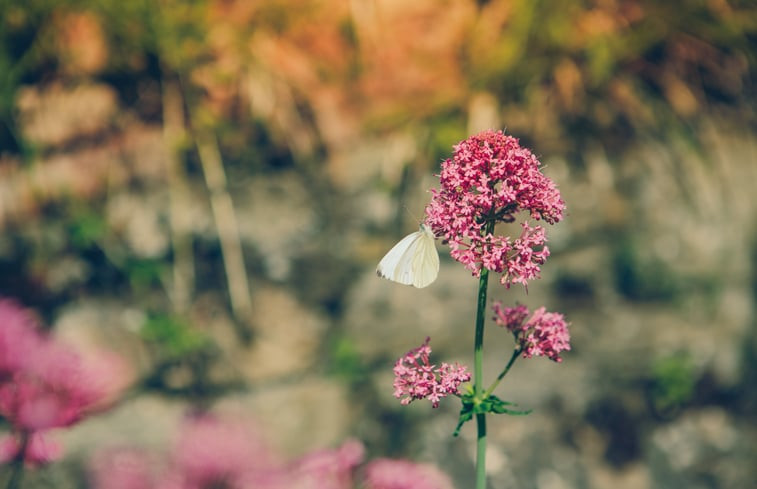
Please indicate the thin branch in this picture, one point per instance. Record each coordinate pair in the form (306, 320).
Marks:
(226, 225)
(174, 136)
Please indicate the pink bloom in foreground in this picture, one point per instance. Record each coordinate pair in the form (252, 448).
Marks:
(415, 378)
(218, 453)
(43, 385)
(327, 469)
(489, 179)
(19, 336)
(226, 454)
(400, 474)
(543, 334)
(54, 389)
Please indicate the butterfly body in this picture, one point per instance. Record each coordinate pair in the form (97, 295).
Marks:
(413, 261)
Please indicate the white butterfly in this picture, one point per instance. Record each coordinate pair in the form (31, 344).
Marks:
(413, 261)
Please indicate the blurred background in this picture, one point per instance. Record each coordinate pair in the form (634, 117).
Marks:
(205, 187)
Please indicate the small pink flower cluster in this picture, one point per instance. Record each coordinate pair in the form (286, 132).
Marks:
(490, 179)
(415, 378)
(543, 334)
(224, 453)
(43, 385)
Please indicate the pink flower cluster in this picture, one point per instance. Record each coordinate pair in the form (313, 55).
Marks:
(212, 452)
(43, 385)
(543, 334)
(490, 179)
(415, 378)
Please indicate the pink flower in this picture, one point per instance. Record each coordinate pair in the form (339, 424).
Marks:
(544, 334)
(38, 450)
(327, 469)
(122, 469)
(401, 474)
(54, 389)
(19, 336)
(43, 385)
(490, 179)
(415, 378)
(216, 453)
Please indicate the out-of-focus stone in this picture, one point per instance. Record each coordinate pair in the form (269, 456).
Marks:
(139, 219)
(635, 476)
(311, 413)
(386, 319)
(57, 115)
(276, 217)
(66, 272)
(354, 168)
(147, 421)
(82, 174)
(702, 445)
(93, 327)
(286, 337)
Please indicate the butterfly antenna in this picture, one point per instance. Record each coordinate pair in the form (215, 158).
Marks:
(412, 215)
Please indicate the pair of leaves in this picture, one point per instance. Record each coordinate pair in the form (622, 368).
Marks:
(492, 404)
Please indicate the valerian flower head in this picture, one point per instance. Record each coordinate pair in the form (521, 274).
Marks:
(415, 378)
(543, 334)
(491, 178)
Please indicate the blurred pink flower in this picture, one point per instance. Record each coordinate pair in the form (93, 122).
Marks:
(385, 473)
(490, 179)
(122, 468)
(228, 454)
(44, 384)
(543, 334)
(39, 449)
(415, 378)
(327, 469)
(19, 336)
(53, 389)
(219, 453)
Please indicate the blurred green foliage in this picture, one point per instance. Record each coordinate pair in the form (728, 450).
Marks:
(673, 382)
(641, 277)
(172, 337)
(345, 361)
(182, 359)
(86, 228)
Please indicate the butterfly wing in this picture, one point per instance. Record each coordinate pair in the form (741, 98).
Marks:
(397, 263)
(425, 260)
(413, 261)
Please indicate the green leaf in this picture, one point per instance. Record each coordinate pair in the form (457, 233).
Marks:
(491, 404)
(466, 414)
(499, 406)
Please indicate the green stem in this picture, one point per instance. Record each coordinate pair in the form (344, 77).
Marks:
(481, 452)
(494, 385)
(478, 381)
(17, 464)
